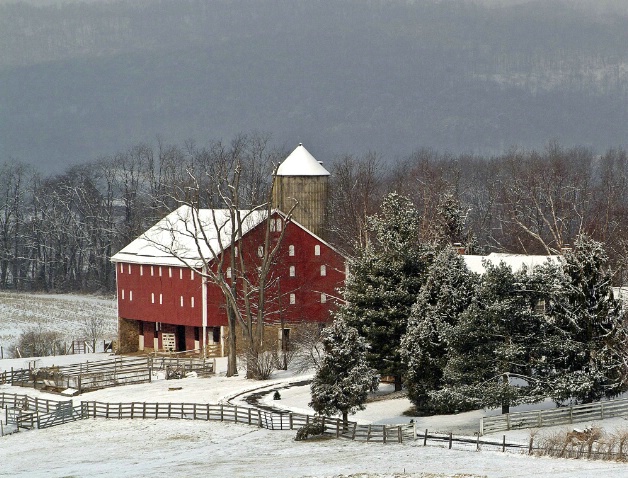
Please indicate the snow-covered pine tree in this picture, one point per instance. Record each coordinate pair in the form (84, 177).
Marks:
(493, 347)
(448, 291)
(343, 377)
(588, 350)
(384, 281)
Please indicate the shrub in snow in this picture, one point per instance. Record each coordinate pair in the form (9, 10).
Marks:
(311, 429)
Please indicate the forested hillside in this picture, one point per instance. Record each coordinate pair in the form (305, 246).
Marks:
(58, 232)
(86, 79)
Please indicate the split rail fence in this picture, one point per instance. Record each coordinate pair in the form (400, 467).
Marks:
(554, 416)
(89, 376)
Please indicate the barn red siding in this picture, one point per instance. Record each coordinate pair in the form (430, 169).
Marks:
(144, 294)
(172, 283)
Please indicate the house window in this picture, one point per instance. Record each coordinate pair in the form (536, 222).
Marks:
(228, 272)
(323, 298)
(141, 270)
(130, 295)
(152, 297)
(323, 270)
(292, 271)
(291, 250)
(192, 302)
(260, 251)
(292, 299)
(317, 250)
(181, 301)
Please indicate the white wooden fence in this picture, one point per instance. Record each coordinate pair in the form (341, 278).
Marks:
(554, 416)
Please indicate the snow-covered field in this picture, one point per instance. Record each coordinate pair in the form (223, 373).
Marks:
(62, 313)
(187, 448)
(141, 448)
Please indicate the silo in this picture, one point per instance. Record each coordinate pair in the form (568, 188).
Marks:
(302, 178)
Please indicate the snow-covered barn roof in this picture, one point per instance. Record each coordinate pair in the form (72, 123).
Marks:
(301, 163)
(515, 261)
(185, 237)
(180, 236)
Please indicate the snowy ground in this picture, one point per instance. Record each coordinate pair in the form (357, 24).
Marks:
(61, 313)
(186, 448)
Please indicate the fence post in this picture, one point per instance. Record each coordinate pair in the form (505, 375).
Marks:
(249, 416)
(425, 438)
(259, 418)
(504, 444)
(355, 427)
(451, 436)
(368, 433)
(477, 443)
(508, 421)
(221, 411)
(290, 419)
(236, 413)
(602, 410)
(482, 426)
(399, 434)
(530, 447)
(384, 432)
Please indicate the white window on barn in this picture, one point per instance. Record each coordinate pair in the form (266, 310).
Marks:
(130, 295)
(159, 271)
(317, 250)
(192, 302)
(152, 270)
(293, 271)
(121, 268)
(161, 299)
(191, 274)
(122, 294)
(129, 268)
(291, 250)
(141, 270)
(279, 224)
(273, 226)
(323, 270)
(260, 251)
(180, 274)
(181, 301)
(236, 251)
(228, 272)
(152, 297)
(170, 272)
(323, 298)
(292, 299)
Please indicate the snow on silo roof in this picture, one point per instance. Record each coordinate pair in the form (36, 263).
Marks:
(301, 163)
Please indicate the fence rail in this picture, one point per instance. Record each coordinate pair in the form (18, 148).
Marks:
(89, 376)
(555, 416)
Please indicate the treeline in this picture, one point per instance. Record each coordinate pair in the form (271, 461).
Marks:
(58, 232)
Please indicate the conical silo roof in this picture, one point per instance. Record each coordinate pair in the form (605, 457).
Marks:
(301, 163)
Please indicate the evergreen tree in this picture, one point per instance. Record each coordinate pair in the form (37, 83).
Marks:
(495, 346)
(448, 291)
(384, 281)
(588, 353)
(343, 378)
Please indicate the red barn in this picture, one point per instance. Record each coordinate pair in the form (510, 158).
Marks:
(166, 302)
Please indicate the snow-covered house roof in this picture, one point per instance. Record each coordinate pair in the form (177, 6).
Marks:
(515, 261)
(182, 234)
(301, 163)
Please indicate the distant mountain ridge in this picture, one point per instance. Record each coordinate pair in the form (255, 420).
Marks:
(79, 80)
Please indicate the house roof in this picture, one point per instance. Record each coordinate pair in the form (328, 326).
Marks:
(301, 163)
(180, 236)
(515, 261)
